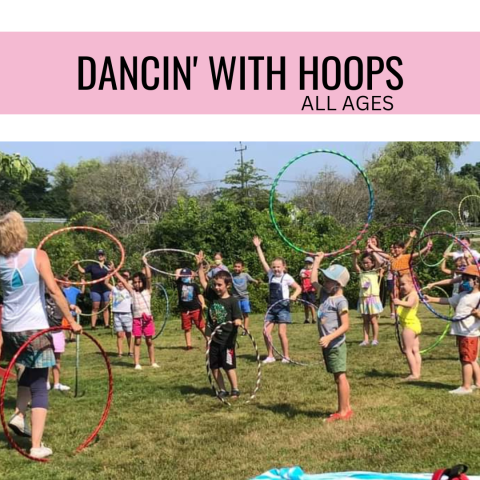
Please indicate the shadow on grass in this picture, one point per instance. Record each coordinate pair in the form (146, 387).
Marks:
(291, 411)
(191, 390)
(433, 385)
(21, 441)
(249, 357)
(377, 374)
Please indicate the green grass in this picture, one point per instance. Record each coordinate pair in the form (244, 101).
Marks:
(164, 424)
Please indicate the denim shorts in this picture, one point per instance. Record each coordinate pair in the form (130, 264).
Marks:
(100, 297)
(244, 305)
(280, 316)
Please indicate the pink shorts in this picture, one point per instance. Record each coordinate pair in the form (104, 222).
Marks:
(143, 326)
(58, 342)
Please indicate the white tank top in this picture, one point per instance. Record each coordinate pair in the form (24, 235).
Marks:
(23, 293)
(141, 303)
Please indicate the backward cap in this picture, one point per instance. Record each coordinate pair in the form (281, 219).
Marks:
(337, 273)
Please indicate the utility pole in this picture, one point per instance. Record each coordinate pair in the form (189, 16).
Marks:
(241, 150)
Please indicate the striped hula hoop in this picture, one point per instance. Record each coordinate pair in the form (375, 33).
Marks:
(209, 371)
(162, 250)
(460, 216)
(272, 201)
(89, 229)
(167, 312)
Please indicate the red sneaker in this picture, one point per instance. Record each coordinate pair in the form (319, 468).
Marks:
(336, 416)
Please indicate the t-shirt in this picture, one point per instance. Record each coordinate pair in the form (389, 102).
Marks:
(141, 302)
(401, 264)
(97, 272)
(122, 301)
(329, 311)
(286, 280)
(305, 275)
(464, 303)
(222, 310)
(240, 284)
(369, 284)
(461, 253)
(215, 270)
(72, 294)
(188, 296)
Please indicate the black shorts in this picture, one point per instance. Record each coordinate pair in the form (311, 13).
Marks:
(221, 356)
(309, 297)
(390, 286)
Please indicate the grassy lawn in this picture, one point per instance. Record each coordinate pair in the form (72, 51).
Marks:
(164, 424)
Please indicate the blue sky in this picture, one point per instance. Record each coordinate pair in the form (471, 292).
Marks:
(213, 159)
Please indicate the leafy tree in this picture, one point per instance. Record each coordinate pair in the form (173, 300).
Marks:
(469, 170)
(15, 166)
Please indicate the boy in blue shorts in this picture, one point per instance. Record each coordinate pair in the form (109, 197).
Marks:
(241, 280)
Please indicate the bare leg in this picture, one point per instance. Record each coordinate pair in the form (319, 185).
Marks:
(343, 393)
(95, 308)
(136, 350)
(217, 375)
(106, 317)
(56, 369)
(267, 335)
(188, 337)
(120, 338)
(374, 322)
(312, 312)
(410, 340)
(467, 375)
(282, 334)
(366, 327)
(129, 341)
(246, 321)
(232, 378)
(39, 416)
(151, 349)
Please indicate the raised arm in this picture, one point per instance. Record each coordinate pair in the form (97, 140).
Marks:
(443, 265)
(200, 257)
(82, 289)
(122, 279)
(355, 255)
(148, 274)
(45, 270)
(79, 267)
(258, 245)
(316, 265)
(425, 249)
(411, 236)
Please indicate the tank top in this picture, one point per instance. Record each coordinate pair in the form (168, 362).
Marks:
(408, 315)
(369, 284)
(23, 292)
(141, 303)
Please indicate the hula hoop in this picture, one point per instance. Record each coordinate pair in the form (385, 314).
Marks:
(422, 232)
(90, 229)
(269, 337)
(415, 279)
(167, 312)
(77, 367)
(437, 340)
(272, 200)
(176, 250)
(209, 371)
(460, 216)
(103, 419)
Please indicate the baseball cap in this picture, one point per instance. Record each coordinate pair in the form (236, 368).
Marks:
(471, 270)
(309, 260)
(337, 273)
(185, 272)
(100, 252)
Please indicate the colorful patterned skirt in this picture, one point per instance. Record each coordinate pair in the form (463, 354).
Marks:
(371, 305)
(39, 354)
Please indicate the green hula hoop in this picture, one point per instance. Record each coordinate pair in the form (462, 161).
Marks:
(423, 231)
(272, 198)
(460, 216)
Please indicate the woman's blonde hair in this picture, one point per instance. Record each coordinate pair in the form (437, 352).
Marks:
(13, 234)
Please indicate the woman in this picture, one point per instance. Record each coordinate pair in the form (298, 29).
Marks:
(24, 273)
(99, 292)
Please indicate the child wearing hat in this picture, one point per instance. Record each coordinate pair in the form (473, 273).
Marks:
(467, 330)
(333, 323)
(190, 303)
(308, 290)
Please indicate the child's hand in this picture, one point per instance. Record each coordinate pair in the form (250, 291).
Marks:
(237, 322)
(427, 298)
(76, 328)
(413, 234)
(429, 245)
(324, 342)
(319, 256)
(356, 252)
(82, 280)
(431, 285)
(476, 312)
(200, 257)
(396, 301)
(257, 241)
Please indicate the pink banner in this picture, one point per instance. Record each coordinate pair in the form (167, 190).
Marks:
(178, 73)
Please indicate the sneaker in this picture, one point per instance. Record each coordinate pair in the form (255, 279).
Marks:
(392, 315)
(19, 426)
(235, 393)
(286, 360)
(461, 391)
(155, 365)
(130, 354)
(188, 347)
(41, 452)
(334, 417)
(374, 343)
(364, 344)
(306, 321)
(222, 394)
(269, 360)
(48, 385)
(314, 321)
(62, 388)
(138, 367)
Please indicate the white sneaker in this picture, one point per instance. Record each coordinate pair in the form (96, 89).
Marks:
(48, 385)
(41, 452)
(19, 425)
(269, 360)
(138, 367)
(155, 365)
(374, 343)
(285, 360)
(364, 344)
(461, 391)
(62, 388)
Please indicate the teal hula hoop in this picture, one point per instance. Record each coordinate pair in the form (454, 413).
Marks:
(370, 210)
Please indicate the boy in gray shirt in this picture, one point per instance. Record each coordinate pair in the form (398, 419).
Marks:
(333, 323)
(240, 290)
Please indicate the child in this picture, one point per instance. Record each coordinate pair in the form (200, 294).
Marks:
(460, 265)
(466, 251)
(122, 315)
(240, 292)
(369, 302)
(333, 323)
(308, 291)
(141, 292)
(222, 308)
(467, 331)
(279, 283)
(218, 266)
(73, 294)
(190, 303)
(407, 313)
